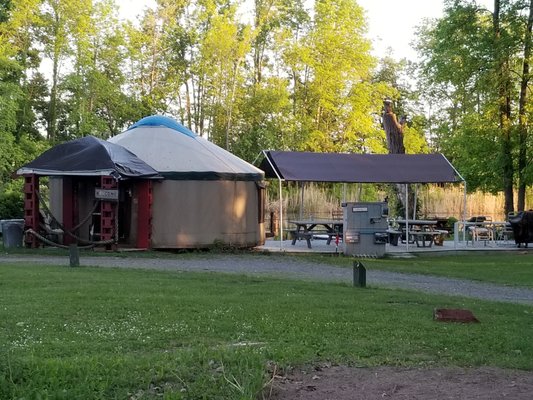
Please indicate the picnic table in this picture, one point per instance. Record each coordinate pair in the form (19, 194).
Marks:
(422, 232)
(312, 228)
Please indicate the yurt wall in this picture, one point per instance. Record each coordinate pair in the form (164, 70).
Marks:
(192, 214)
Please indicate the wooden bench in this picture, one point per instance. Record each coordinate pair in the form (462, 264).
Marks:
(298, 235)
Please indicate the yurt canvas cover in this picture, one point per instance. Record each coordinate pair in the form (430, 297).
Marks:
(208, 196)
(88, 156)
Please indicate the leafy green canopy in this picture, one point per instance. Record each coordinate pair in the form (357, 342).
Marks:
(472, 63)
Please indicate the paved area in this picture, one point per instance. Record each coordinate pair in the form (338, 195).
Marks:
(286, 267)
(448, 247)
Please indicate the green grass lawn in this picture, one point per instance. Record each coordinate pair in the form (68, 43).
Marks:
(501, 268)
(85, 333)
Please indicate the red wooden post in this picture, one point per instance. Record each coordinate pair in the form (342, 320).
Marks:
(31, 209)
(144, 213)
(108, 212)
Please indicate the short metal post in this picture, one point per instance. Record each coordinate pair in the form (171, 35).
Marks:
(74, 254)
(359, 274)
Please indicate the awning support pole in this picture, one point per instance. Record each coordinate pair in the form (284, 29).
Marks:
(415, 200)
(280, 216)
(344, 192)
(464, 199)
(280, 200)
(302, 188)
(464, 213)
(407, 216)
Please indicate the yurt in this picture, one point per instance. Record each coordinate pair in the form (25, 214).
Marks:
(207, 196)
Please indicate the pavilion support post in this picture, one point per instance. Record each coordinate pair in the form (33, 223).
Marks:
(464, 212)
(280, 216)
(302, 189)
(280, 200)
(414, 201)
(407, 216)
(344, 192)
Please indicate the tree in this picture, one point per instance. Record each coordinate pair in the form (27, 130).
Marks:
(94, 100)
(223, 48)
(474, 69)
(22, 89)
(524, 148)
(56, 16)
(502, 64)
(340, 64)
(5, 9)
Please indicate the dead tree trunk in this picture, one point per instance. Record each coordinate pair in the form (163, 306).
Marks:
(394, 133)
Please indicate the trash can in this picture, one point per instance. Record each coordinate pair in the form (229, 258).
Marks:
(13, 232)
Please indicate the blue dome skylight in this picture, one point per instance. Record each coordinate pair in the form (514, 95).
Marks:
(160, 120)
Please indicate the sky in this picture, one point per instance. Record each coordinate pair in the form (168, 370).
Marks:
(391, 23)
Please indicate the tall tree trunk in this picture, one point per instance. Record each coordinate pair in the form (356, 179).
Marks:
(262, 11)
(188, 104)
(229, 113)
(52, 107)
(504, 111)
(522, 120)
(257, 44)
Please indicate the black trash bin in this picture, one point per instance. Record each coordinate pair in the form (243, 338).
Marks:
(522, 224)
(13, 232)
(393, 237)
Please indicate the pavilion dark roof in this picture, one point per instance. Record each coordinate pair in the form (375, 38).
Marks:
(361, 168)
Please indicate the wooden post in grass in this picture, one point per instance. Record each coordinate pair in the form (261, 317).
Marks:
(74, 254)
(359, 274)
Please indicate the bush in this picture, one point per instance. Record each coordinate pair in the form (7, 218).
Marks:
(11, 205)
(449, 224)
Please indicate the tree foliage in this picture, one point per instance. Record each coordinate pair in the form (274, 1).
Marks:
(281, 74)
(472, 72)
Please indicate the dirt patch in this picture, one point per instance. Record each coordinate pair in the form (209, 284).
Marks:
(347, 383)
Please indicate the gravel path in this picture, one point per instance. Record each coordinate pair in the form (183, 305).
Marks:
(287, 267)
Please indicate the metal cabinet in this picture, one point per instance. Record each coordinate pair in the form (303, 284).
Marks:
(365, 229)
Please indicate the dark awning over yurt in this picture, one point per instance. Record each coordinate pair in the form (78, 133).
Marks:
(89, 156)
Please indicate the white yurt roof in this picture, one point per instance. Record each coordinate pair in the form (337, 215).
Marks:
(178, 153)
